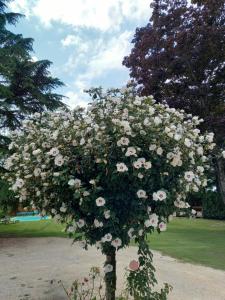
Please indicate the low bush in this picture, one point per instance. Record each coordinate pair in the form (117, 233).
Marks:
(213, 206)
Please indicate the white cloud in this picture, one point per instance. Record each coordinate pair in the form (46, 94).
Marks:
(107, 56)
(99, 14)
(76, 99)
(71, 40)
(21, 6)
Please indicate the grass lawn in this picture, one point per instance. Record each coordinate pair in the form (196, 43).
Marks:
(196, 241)
(45, 228)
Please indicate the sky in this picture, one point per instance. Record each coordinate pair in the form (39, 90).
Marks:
(85, 39)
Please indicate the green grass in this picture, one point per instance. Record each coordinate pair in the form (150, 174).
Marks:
(44, 228)
(196, 241)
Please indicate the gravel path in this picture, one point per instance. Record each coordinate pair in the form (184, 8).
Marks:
(28, 265)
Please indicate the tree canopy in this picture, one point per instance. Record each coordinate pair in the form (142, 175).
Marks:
(179, 56)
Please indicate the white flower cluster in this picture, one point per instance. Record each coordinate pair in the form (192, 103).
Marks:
(123, 165)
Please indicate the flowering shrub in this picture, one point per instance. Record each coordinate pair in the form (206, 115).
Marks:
(113, 172)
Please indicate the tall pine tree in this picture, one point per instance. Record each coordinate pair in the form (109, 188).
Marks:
(26, 86)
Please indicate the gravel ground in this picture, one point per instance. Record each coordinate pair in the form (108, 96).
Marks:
(27, 266)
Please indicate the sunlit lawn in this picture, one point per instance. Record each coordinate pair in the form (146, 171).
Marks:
(45, 228)
(197, 241)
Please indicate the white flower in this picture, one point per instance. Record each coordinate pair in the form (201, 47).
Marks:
(54, 151)
(80, 223)
(59, 160)
(107, 238)
(63, 208)
(200, 169)
(71, 229)
(210, 137)
(195, 188)
(189, 176)
(137, 102)
(124, 141)
(167, 129)
(77, 183)
(159, 196)
(141, 176)
(108, 268)
(187, 142)
(56, 174)
(98, 223)
(92, 181)
(159, 151)
(153, 218)
(140, 232)
(149, 209)
(152, 147)
(142, 160)
(121, 167)
(116, 243)
(107, 214)
(53, 211)
(36, 152)
(71, 182)
(157, 120)
(147, 223)
(162, 226)
(223, 154)
(130, 233)
(141, 194)
(137, 164)
(147, 165)
(37, 172)
(82, 141)
(100, 201)
(200, 151)
(179, 203)
(177, 136)
(86, 193)
(151, 110)
(19, 183)
(131, 151)
(74, 143)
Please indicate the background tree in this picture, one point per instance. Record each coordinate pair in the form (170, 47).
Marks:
(26, 86)
(179, 57)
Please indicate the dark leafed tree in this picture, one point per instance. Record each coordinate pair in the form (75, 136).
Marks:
(179, 57)
(26, 86)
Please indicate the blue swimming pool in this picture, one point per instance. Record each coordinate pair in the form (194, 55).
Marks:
(29, 218)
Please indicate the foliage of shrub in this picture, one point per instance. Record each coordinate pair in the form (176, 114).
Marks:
(113, 173)
(213, 206)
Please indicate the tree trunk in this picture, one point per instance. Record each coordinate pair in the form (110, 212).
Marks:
(220, 173)
(110, 277)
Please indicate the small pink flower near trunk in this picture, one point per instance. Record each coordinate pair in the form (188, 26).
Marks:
(134, 265)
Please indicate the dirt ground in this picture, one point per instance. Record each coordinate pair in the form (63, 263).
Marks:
(27, 266)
